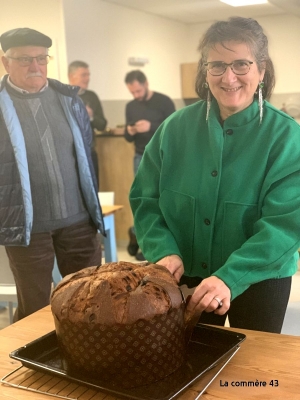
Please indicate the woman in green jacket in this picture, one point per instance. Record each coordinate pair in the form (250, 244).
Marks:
(216, 199)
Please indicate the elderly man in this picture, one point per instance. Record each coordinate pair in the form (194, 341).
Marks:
(48, 195)
(79, 75)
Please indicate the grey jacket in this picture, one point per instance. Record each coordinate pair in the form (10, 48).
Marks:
(16, 212)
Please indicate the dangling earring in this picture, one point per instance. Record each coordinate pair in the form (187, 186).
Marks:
(260, 100)
(208, 100)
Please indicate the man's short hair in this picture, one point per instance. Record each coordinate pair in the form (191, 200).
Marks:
(75, 65)
(135, 75)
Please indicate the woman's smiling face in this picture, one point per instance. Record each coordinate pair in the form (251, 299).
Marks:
(233, 92)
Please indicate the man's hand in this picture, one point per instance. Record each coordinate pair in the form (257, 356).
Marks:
(174, 264)
(142, 126)
(207, 296)
(131, 129)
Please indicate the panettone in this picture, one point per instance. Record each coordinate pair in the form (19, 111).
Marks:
(121, 322)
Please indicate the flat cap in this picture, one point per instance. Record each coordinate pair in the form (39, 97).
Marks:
(24, 37)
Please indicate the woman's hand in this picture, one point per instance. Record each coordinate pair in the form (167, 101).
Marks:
(208, 295)
(174, 264)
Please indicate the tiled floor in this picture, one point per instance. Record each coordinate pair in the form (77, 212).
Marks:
(292, 320)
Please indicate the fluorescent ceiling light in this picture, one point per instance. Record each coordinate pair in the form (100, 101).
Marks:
(239, 3)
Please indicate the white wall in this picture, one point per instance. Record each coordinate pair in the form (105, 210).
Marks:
(45, 16)
(284, 39)
(283, 33)
(105, 35)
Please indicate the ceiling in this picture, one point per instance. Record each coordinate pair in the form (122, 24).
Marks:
(197, 11)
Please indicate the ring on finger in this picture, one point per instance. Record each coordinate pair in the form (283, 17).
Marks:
(219, 301)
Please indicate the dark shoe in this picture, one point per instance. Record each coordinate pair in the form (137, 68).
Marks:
(140, 257)
(133, 246)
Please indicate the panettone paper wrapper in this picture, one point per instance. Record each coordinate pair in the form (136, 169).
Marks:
(127, 355)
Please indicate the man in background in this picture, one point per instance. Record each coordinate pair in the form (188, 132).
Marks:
(79, 75)
(49, 203)
(144, 114)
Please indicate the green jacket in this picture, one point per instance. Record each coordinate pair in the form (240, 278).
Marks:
(226, 199)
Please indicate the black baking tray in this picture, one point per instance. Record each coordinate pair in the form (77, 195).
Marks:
(208, 347)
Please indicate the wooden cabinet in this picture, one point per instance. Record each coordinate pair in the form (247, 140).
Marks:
(188, 73)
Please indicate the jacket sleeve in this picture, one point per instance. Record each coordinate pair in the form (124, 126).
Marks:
(153, 235)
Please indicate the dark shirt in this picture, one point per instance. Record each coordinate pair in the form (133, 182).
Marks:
(92, 100)
(98, 122)
(155, 110)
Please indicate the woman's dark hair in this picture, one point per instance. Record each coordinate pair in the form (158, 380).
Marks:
(242, 30)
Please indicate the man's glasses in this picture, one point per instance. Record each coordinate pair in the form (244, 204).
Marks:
(25, 61)
(239, 67)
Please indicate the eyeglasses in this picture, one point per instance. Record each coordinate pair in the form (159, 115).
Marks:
(239, 67)
(25, 61)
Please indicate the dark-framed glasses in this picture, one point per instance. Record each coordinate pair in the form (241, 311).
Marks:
(239, 67)
(25, 61)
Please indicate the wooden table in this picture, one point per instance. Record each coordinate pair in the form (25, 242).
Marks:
(263, 357)
(110, 210)
(110, 243)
